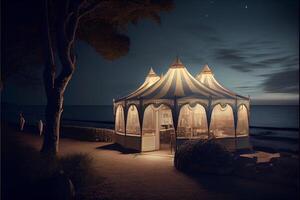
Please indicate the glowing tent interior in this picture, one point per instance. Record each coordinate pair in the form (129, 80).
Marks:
(165, 111)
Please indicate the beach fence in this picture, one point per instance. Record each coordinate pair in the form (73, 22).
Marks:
(88, 133)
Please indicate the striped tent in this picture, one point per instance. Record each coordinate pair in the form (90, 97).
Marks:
(150, 79)
(170, 109)
(206, 77)
(177, 82)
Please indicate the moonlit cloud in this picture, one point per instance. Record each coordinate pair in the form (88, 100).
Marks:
(286, 81)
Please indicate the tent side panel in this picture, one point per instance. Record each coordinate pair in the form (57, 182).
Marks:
(120, 139)
(133, 142)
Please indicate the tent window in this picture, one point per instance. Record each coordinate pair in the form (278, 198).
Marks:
(192, 122)
(222, 122)
(133, 123)
(120, 123)
(149, 121)
(242, 124)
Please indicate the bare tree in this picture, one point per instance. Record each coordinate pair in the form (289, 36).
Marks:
(100, 23)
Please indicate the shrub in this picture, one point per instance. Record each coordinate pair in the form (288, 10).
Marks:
(205, 156)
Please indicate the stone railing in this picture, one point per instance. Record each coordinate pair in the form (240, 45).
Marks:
(88, 133)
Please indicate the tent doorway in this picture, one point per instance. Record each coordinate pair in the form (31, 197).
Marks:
(157, 129)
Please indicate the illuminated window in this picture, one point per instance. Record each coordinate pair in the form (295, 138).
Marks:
(192, 122)
(242, 124)
(133, 123)
(119, 122)
(149, 121)
(222, 121)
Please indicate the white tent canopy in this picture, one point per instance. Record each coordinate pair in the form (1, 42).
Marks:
(177, 82)
(150, 79)
(206, 77)
(177, 103)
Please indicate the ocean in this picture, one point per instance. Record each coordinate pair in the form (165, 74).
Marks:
(260, 115)
(271, 126)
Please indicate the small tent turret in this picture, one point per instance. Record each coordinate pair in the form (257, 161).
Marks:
(150, 79)
(206, 77)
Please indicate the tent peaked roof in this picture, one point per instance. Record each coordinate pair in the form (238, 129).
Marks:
(177, 82)
(207, 78)
(151, 72)
(177, 63)
(150, 79)
(180, 84)
(206, 70)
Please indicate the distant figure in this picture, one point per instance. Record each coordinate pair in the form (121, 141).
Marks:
(40, 126)
(22, 121)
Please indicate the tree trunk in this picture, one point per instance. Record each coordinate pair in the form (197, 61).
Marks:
(55, 99)
(53, 112)
(55, 86)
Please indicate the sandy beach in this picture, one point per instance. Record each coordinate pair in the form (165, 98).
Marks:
(153, 176)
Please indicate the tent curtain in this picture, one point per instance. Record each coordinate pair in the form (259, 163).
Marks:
(149, 121)
(192, 122)
(133, 123)
(242, 124)
(222, 122)
(120, 123)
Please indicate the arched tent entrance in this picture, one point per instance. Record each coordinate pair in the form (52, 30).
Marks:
(192, 122)
(222, 121)
(120, 121)
(157, 128)
(133, 122)
(242, 123)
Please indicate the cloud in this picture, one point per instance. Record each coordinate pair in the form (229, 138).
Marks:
(286, 81)
(276, 60)
(249, 56)
(227, 54)
(237, 59)
(241, 68)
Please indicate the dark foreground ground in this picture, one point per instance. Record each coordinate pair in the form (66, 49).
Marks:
(149, 176)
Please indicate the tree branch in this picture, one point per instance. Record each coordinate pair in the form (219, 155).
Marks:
(91, 7)
(50, 68)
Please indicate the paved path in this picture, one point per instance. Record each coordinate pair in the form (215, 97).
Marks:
(151, 176)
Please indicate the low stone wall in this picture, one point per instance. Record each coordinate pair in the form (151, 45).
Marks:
(88, 133)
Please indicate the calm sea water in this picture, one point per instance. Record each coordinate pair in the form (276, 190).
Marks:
(262, 116)
(102, 116)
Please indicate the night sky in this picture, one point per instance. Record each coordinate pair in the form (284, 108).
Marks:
(252, 47)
